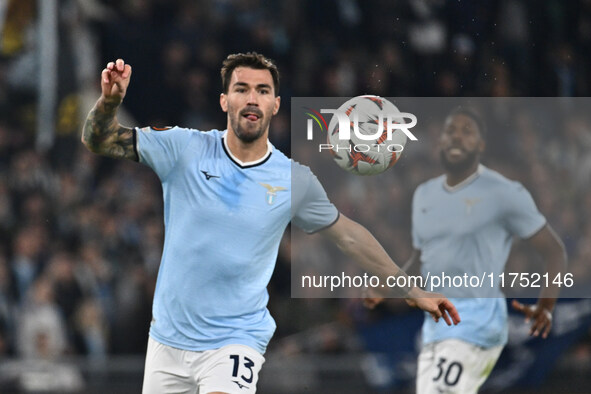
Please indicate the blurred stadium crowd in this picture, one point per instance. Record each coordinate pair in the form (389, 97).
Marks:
(81, 236)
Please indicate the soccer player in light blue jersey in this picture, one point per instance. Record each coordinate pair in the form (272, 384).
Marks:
(463, 222)
(227, 200)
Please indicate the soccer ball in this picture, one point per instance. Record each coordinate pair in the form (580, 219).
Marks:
(369, 156)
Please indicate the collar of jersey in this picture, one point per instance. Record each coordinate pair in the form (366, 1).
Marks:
(246, 164)
(465, 182)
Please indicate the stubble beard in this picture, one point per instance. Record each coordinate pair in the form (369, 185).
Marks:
(458, 167)
(244, 134)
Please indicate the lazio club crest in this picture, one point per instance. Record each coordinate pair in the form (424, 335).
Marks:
(272, 192)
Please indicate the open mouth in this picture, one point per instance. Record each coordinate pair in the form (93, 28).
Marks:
(455, 151)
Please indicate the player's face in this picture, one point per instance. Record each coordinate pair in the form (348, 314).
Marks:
(250, 103)
(460, 143)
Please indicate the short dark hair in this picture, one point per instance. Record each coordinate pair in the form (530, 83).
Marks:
(250, 60)
(473, 114)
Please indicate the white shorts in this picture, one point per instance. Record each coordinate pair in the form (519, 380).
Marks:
(454, 366)
(229, 369)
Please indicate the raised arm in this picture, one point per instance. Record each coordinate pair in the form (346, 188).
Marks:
(102, 133)
(356, 241)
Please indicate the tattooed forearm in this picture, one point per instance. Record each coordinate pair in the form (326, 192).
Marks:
(102, 134)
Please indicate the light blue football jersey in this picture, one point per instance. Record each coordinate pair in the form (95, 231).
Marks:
(224, 221)
(468, 229)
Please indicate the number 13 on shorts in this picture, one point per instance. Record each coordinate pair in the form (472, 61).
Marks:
(247, 364)
(231, 369)
(235, 371)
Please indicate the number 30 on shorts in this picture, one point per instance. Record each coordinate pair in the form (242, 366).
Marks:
(243, 368)
(450, 372)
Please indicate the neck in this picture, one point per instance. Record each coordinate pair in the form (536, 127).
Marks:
(247, 151)
(455, 178)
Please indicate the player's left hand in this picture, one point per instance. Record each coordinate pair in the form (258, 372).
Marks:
(541, 317)
(435, 304)
(371, 298)
(372, 302)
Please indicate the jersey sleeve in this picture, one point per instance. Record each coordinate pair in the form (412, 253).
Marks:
(311, 210)
(161, 149)
(521, 215)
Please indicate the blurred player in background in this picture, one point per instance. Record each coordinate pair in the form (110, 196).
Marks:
(227, 202)
(464, 222)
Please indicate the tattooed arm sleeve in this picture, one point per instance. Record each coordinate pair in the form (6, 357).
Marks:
(102, 133)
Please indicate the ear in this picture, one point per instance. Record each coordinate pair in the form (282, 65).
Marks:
(440, 141)
(481, 146)
(224, 102)
(277, 105)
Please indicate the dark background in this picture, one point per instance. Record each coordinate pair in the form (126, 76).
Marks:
(81, 236)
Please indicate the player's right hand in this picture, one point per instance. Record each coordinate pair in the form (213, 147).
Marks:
(114, 81)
